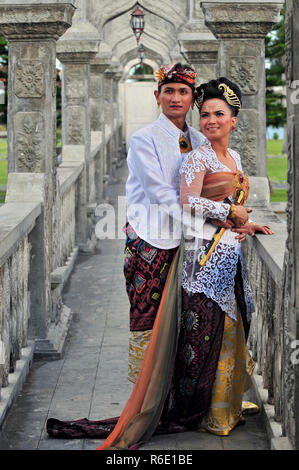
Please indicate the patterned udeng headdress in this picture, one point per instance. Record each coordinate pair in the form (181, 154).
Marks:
(176, 73)
(220, 88)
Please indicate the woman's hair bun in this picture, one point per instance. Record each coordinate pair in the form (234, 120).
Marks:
(222, 88)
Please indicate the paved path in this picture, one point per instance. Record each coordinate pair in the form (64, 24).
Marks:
(91, 379)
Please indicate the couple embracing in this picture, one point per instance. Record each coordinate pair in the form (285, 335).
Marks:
(190, 298)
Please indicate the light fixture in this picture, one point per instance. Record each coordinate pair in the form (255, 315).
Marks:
(137, 22)
(141, 53)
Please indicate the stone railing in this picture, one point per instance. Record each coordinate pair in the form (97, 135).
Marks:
(25, 331)
(265, 257)
(18, 221)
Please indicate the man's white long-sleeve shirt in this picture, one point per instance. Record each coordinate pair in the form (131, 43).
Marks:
(153, 185)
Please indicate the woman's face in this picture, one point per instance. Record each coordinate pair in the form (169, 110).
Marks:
(175, 100)
(216, 119)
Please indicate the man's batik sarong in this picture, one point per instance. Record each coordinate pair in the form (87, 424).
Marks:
(145, 270)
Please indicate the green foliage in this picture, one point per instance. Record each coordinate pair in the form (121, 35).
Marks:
(275, 53)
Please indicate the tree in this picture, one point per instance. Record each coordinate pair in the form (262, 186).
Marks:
(275, 53)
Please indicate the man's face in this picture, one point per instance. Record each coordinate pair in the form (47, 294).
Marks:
(175, 100)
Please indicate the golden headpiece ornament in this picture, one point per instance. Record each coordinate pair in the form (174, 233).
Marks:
(160, 75)
(230, 96)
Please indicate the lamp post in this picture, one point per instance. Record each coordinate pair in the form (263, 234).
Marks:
(141, 53)
(137, 22)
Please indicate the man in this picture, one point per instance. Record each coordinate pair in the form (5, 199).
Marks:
(152, 190)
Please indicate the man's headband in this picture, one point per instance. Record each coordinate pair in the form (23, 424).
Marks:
(173, 73)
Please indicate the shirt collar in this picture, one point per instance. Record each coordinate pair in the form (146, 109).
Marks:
(171, 128)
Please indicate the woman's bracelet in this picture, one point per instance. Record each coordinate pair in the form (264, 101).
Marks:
(233, 211)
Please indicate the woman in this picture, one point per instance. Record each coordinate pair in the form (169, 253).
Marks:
(216, 301)
(196, 365)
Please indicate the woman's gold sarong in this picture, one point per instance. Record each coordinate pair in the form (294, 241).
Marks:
(233, 378)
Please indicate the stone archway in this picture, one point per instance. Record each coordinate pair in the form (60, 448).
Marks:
(137, 90)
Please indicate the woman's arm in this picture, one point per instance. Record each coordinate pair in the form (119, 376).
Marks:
(193, 171)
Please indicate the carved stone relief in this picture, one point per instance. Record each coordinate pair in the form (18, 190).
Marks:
(95, 87)
(240, 29)
(243, 71)
(76, 125)
(29, 142)
(245, 141)
(75, 81)
(95, 117)
(243, 13)
(29, 22)
(107, 88)
(29, 79)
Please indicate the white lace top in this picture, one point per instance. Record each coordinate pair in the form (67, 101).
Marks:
(216, 278)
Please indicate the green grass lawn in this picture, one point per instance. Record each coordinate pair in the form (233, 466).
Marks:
(3, 172)
(58, 138)
(277, 172)
(277, 169)
(274, 147)
(279, 195)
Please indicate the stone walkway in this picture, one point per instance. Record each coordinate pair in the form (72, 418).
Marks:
(91, 379)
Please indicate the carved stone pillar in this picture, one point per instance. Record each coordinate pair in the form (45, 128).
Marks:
(75, 49)
(97, 119)
(111, 157)
(117, 117)
(290, 313)
(32, 31)
(241, 28)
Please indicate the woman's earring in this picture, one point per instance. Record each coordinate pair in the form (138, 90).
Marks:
(158, 104)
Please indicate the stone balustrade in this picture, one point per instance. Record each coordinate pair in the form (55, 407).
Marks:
(17, 224)
(21, 226)
(264, 257)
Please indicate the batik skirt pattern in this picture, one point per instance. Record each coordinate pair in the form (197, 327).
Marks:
(145, 269)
